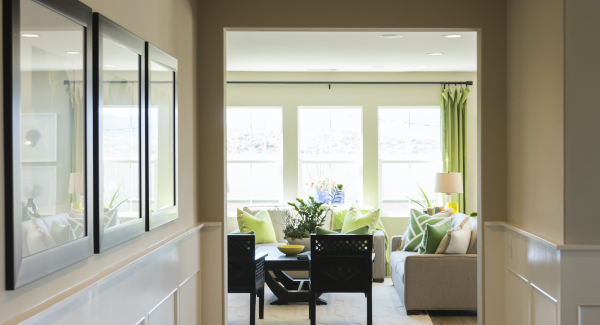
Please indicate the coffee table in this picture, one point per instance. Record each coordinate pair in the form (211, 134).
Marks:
(284, 287)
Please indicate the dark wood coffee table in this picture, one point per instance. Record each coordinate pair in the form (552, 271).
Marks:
(284, 287)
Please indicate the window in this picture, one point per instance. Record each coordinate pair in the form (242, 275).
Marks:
(330, 150)
(254, 157)
(409, 155)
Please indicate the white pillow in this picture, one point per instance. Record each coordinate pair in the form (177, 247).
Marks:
(457, 239)
(38, 238)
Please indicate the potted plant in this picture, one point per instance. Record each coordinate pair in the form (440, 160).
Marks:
(426, 204)
(303, 220)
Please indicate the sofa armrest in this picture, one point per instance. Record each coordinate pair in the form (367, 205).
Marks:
(395, 242)
(379, 262)
(440, 282)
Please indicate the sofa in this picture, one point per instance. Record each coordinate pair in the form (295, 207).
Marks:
(435, 281)
(276, 218)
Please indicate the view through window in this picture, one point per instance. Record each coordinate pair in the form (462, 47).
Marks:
(330, 151)
(254, 157)
(409, 156)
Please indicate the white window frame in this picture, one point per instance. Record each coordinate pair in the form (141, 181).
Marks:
(278, 161)
(358, 161)
(382, 161)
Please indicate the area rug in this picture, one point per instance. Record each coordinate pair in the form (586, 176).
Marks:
(342, 308)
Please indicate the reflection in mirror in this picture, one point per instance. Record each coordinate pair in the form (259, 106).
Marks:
(52, 129)
(120, 138)
(161, 120)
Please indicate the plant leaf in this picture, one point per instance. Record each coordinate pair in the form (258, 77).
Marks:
(425, 196)
(417, 202)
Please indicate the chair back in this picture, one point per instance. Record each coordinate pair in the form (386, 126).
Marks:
(241, 267)
(341, 263)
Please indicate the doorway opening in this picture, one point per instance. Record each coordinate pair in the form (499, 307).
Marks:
(365, 121)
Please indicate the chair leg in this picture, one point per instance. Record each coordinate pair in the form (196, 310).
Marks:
(261, 303)
(252, 308)
(312, 308)
(370, 308)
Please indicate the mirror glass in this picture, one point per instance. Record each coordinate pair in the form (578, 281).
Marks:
(52, 128)
(120, 137)
(161, 121)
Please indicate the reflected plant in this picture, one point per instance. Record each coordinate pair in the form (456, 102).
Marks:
(116, 195)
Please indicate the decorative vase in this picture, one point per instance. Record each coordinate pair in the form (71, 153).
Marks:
(304, 242)
(324, 196)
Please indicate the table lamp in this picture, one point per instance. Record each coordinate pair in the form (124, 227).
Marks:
(76, 186)
(449, 183)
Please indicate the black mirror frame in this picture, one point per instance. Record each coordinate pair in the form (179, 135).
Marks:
(166, 215)
(106, 28)
(23, 270)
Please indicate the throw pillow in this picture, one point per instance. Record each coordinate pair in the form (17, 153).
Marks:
(77, 222)
(432, 236)
(416, 226)
(473, 244)
(260, 223)
(38, 238)
(61, 233)
(359, 231)
(457, 239)
(339, 214)
(110, 218)
(355, 219)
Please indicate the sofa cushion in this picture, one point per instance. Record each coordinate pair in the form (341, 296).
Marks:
(397, 260)
(276, 218)
(337, 214)
(260, 223)
(416, 225)
(432, 236)
(356, 219)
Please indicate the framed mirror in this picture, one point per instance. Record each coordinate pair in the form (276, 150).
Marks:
(161, 114)
(48, 124)
(119, 137)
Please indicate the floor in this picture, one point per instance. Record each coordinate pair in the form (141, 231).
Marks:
(342, 309)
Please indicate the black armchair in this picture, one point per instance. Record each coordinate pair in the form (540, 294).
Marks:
(246, 271)
(341, 263)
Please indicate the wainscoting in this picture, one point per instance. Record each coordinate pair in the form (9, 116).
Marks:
(540, 281)
(161, 287)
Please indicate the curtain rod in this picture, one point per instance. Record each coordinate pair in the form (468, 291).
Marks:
(468, 83)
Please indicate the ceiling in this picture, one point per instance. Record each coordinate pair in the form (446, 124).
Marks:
(350, 51)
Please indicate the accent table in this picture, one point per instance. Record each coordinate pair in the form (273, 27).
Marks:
(284, 287)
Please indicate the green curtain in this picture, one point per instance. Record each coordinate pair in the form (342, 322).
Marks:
(453, 104)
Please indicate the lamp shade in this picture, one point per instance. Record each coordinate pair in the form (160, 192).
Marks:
(76, 183)
(448, 183)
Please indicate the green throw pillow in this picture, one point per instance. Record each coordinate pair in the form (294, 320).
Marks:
(356, 219)
(432, 236)
(110, 218)
(339, 214)
(61, 233)
(77, 224)
(416, 226)
(260, 223)
(359, 231)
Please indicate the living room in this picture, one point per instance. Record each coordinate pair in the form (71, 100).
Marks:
(309, 112)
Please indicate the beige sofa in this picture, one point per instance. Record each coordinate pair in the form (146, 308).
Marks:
(436, 281)
(276, 218)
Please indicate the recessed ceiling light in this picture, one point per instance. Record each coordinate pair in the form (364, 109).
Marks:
(30, 35)
(422, 66)
(110, 66)
(435, 53)
(453, 36)
(390, 36)
(322, 69)
(73, 52)
(378, 67)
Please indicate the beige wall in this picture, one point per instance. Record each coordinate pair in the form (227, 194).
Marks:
(582, 81)
(535, 104)
(369, 98)
(486, 16)
(171, 26)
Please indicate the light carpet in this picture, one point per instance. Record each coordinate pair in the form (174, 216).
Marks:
(342, 308)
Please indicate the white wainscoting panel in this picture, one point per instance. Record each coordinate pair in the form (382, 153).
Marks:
(189, 300)
(544, 308)
(588, 314)
(165, 313)
(145, 291)
(517, 299)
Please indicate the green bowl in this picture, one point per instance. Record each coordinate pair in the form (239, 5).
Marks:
(290, 249)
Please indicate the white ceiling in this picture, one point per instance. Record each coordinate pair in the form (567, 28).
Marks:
(350, 51)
